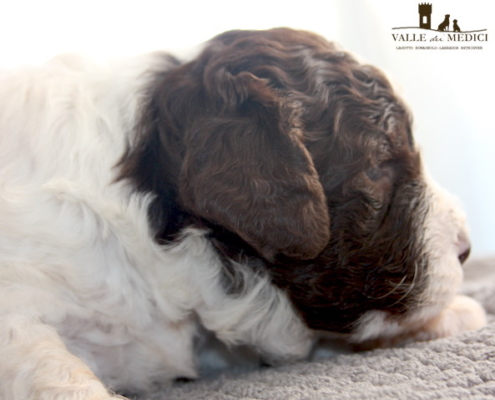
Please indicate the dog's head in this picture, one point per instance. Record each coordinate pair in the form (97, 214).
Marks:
(301, 160)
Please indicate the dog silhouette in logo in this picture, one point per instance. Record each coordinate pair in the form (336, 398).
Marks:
(456, 27)
(445, 24)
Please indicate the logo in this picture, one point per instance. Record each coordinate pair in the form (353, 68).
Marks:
(439, 32)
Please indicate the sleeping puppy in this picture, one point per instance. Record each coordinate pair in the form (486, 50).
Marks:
(265, 191)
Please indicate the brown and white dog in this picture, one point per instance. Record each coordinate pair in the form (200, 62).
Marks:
(265, 191)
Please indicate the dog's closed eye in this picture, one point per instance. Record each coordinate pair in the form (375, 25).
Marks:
(377, 173)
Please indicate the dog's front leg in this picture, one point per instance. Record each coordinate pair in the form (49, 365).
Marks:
(36, 365)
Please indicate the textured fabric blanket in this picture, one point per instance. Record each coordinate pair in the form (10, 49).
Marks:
(460, 367)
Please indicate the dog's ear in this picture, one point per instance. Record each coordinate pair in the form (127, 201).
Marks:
(246, 169)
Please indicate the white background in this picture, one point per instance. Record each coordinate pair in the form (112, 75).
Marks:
(451, 92)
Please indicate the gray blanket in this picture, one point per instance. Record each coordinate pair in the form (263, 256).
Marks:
(461, 367)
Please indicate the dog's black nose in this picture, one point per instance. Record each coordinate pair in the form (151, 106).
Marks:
(464, 255)
(463, 247)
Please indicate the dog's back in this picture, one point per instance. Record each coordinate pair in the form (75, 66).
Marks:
(73, 240)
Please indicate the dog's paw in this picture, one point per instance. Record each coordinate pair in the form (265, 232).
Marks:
(462, 315)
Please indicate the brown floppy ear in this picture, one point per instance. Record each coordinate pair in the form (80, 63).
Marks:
(246, 169)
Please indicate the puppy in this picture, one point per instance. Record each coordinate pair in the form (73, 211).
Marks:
(456, 26)
(445, 24)
(267, 190)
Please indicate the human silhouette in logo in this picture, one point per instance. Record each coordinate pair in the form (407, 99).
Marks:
(456, 27)
(445, 24)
